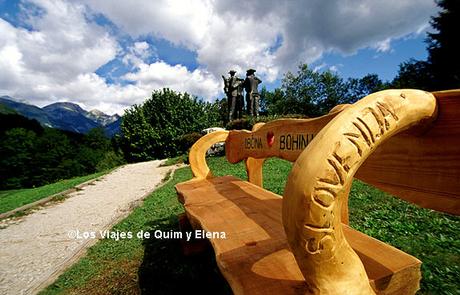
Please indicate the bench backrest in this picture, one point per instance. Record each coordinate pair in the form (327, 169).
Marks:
(420, 165)
(284, 138)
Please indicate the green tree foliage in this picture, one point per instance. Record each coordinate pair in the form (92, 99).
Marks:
(33, 156)
(444, 46)
(273, 102)
(222, 107)
(52, 153)
(359, 88)
(414, 74)
(312, 93)
(154, 129)
(92, 151)
(306, 92)
(186, 141)
(442, 69)
(16, 150)
(12, 120)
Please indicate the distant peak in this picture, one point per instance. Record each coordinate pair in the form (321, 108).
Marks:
(97, 112)
(64, 105)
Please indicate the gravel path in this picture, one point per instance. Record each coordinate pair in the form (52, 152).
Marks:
(38, 247)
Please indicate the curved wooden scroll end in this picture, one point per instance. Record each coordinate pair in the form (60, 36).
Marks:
(197, 155)
(317, 186)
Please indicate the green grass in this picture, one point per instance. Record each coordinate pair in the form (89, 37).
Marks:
(157, 266)
(432, 237)
(150, 265)
(12, 199)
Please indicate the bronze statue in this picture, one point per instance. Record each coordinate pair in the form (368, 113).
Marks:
(251, 84)
(233, 88)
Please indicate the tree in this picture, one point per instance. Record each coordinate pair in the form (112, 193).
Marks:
(51, 149)
(444, 46)
(154, 129)
(442, 69)
(93, 150)
(309, 92)
(414, 74)
(332, 91)
(273, 102)
(359, 88)
(32, 155)
(17, 150)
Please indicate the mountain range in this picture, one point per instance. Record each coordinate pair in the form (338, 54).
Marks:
(66, 116)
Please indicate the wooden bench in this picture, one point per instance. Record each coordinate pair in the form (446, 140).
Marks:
(405, 142)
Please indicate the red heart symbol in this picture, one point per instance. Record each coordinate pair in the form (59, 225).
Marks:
(270, 138)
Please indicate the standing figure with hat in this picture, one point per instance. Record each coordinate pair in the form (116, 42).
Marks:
(251, 84)
(233, 89)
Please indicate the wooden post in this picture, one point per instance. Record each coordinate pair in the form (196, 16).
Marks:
(254, 167)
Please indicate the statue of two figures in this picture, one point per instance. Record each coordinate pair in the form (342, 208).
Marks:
(233, 87)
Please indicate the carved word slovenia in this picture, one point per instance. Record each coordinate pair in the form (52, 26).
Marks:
(362, 135)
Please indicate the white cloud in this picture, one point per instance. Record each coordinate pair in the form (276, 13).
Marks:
(159, 74)
(38, 64)
(184, 22)
(57, 59)
(334, 68)
(137, 53)
(383, 46)
(239, 33)
(319, 67)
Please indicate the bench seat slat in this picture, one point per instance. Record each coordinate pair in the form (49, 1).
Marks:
(255, 257)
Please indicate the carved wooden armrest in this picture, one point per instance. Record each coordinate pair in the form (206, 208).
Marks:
(317, 187)
(197, 155)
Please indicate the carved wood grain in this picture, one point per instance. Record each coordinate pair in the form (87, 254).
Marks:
(317, 187)
(422, 165)
(301, 130)
(254, 167)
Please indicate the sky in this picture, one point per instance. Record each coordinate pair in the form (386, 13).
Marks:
(109, 55)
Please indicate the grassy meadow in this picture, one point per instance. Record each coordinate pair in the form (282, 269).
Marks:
(12, 199)
(155, 266)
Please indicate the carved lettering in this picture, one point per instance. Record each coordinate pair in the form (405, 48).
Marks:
(347, 153)
(251, 143)
(295, 142)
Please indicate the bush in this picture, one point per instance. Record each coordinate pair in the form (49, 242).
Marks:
(152, 130)
(185, 142)
(32, 155)
(111, 159)
(248, 122)
(240, 124)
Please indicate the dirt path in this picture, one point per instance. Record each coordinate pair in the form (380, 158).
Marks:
(37, 248)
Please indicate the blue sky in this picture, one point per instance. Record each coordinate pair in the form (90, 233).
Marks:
(111, 54)
(385, 64)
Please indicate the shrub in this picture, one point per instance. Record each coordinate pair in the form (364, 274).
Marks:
(248, 122)
(151, 130)
(185, 142)
(111, 159)
(240, 124)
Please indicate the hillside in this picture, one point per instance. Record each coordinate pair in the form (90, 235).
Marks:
(63, 115)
